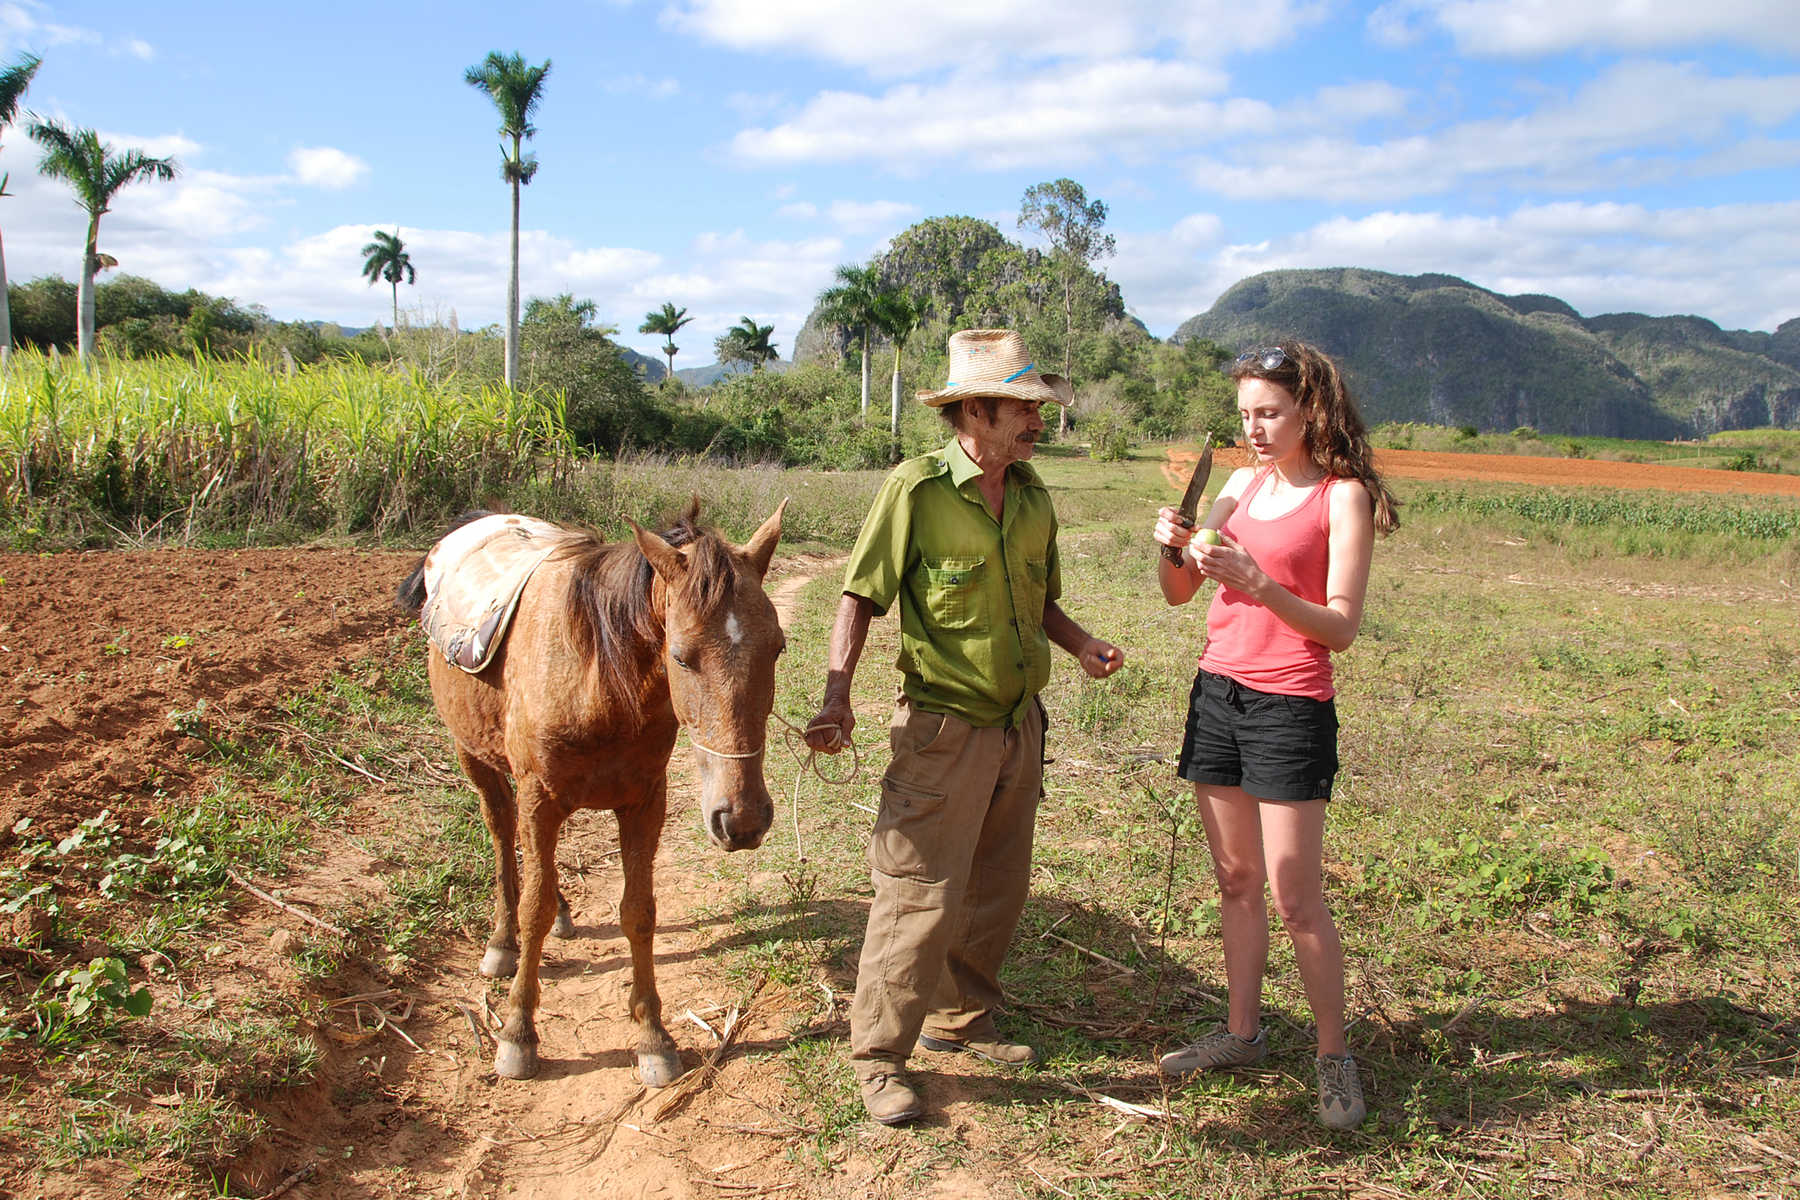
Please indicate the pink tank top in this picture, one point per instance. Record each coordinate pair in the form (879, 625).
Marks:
(1247, 642)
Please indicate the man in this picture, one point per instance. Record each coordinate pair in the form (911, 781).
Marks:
(965, 539)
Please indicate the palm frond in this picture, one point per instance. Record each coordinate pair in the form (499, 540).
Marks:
(13, 82)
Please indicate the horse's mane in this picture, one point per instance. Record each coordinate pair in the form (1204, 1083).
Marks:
(611, 618)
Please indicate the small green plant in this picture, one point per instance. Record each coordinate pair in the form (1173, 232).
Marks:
(81, 1003)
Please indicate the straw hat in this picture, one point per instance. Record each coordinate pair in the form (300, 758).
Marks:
(993, 362)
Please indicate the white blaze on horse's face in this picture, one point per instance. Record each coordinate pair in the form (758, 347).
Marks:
(720, 653)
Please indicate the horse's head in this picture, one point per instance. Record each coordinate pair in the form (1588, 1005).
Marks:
(723, 638)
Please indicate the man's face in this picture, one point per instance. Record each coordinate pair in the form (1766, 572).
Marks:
(1012, 432)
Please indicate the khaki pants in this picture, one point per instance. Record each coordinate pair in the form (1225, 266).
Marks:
(950, 858)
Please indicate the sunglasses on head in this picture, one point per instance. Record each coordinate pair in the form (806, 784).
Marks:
(1269, 358)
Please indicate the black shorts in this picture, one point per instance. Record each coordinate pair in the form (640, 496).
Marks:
(1274, 747)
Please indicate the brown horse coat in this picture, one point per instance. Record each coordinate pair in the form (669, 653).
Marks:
(614, 646)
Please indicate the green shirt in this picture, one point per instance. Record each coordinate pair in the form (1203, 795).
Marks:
(972, 589)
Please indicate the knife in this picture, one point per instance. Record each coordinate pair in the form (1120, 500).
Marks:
(1190, 499)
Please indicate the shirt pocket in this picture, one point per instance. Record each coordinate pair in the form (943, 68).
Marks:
(1037, 583)
(953, 599)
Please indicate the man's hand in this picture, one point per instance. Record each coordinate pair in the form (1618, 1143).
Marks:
(1100, 659)
(830, 730)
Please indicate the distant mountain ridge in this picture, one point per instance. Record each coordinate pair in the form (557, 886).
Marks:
(1439, 349)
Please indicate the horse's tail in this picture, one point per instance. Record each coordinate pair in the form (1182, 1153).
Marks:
(410, 595)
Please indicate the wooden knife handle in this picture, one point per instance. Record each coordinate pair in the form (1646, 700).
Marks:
(1173, 553)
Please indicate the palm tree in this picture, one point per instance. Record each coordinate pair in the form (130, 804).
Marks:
(386, 258)
(749, 342)
(852, 302)
(13, 82)
(515, 89)
(667, 322)
(96, 174)
(898, 314)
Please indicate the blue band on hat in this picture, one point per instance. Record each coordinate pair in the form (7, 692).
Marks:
(1030, 366)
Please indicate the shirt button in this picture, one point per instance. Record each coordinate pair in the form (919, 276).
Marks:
(1019, 665)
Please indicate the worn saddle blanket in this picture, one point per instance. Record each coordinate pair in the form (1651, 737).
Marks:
(473, 580)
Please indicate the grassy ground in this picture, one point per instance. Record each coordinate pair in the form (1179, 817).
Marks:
(1563, 854)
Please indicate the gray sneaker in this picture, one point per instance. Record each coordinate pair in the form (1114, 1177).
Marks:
(1340, 1092)
(1220, 1050)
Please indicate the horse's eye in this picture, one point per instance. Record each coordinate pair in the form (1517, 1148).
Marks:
(681, 660)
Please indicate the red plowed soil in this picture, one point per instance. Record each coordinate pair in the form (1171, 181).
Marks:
(1509, 468)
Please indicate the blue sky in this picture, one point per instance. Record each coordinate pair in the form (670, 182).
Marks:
(726, 155)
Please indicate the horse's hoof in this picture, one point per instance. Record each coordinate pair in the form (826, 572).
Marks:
(564, 928)
(515, 1060)
(499, 962)
(658, 1069)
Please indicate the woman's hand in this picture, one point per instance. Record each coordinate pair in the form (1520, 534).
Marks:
(1172, 529)
(1231, 565)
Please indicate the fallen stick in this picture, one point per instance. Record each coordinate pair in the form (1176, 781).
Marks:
(283, 905)
(1095, 954)
(287, 1185)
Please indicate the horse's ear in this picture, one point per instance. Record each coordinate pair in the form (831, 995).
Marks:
(762, 543)
(667, 561)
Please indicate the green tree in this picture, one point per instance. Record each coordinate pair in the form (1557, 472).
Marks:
(747, 342)
(515, 89)
(386, 258)
(13, 82)
(898, 315)
(853, 302)
(1061, 211)
(567, 353)
(96, 174)
(668, 322)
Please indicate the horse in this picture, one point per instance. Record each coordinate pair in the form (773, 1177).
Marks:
(611, 648)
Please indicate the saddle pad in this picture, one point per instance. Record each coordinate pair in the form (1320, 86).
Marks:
(473, 579)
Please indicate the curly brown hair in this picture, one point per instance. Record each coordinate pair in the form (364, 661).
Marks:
(1336, 439)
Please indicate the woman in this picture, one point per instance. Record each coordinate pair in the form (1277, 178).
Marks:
(1291, 558)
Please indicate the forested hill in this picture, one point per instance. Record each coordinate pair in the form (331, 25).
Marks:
(1440, 349)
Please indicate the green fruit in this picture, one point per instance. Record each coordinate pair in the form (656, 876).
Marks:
(1210, 537)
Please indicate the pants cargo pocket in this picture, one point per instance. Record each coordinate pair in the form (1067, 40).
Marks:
(904, 842)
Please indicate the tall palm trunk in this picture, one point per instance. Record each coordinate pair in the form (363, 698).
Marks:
(395, 285)
(894, 418)
(512, 282)
(1062, 410)
(670, 377)
(865, 372)
(5, 311)
(84, 295)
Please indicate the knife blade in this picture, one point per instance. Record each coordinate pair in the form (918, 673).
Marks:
(1190, 499)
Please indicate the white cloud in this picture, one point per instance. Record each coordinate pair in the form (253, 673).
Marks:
(20, 26)
(166, 145)
(326, 167)
(1736, 264)
(1633, 124)
(853, 216)
(929, 35)
(1540, 27)
(1133, 108)
(656, 89)
(140, 49)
